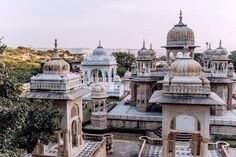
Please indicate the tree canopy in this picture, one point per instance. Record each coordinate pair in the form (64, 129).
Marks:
(22, 122)
(124, 62)
(232, 58)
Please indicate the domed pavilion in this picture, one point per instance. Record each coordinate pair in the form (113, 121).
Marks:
(101, 68)
(178, 38)
(99, 114)
(186, 100)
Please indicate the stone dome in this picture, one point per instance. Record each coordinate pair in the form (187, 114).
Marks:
(144, 52)
(117, 78)
(151, 51)
(185, 66)
(127, 74)
(230, 65)
(98, 92)
(208, 51)
(99, 51)
(133, 65)
(220, 50)
(56, 65)
(180, 34)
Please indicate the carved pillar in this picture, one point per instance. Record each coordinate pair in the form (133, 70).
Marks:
(204, 147)
(59, 143)
(165, 144)
(174, 145)
(66, 149)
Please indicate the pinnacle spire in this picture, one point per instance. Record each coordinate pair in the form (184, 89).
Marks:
(180, 17)
(55, 52)
(99, 44)
(150, 45)
(143, 43)
(55, 45)
(220, 43)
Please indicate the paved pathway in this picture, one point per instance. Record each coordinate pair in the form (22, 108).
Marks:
(123, 148)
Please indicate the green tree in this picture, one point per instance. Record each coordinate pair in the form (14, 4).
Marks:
(22, 122)
(199, 58)
(2, 46)
(124, 61)
(232, 58)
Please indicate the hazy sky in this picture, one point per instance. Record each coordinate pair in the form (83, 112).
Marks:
(118, 23)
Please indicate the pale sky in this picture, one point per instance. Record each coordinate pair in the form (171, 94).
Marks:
(118, 23)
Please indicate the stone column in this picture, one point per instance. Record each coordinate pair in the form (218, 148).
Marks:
(165, 146)
(99, 107)
(89, 76)
(66, 149)
(59, 153)
(80, 132)
(204, 147)
(174, 145)
(104, 106)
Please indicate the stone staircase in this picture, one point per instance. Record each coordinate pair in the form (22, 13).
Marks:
(180, 137)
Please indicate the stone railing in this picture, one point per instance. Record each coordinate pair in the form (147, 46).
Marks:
(106, 141)
(144, 140)
(221, 147)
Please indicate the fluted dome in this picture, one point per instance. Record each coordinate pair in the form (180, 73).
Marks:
(99, 51)
(151, 51)
(56, 65)
(117, 78)
(185, 66)
(127, 74)
(230, 65)
(180, 34)
(220, 50)
(98, 92)
(144, 52)
(208, 51)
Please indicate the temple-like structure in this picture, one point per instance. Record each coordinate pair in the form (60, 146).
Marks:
(58, 84)
(180, 101)
(178, 38)
(102, 68)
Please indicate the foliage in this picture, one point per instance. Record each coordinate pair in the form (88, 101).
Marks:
(199, 58)
(22, 122)
(124, 62)
(227, 138)
(2, 47)
(232, 58)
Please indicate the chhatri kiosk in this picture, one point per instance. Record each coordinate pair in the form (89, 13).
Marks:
(186, 100)
(62, 87)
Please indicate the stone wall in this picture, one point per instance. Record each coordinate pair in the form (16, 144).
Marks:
(223, 130)
(150, 125)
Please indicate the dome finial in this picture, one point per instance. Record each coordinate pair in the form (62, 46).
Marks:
(150, 46)
(99, 44)
(55, 44)
(143, 43)
(180, 17)
(55, 53)
(220, 44)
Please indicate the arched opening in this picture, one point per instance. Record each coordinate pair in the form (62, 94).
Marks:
(186, 130)
(112, 74)
(179, 55)
(171, 57)
(74, 131)
(96, 76)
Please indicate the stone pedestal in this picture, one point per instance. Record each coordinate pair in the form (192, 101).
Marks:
(99, 120)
